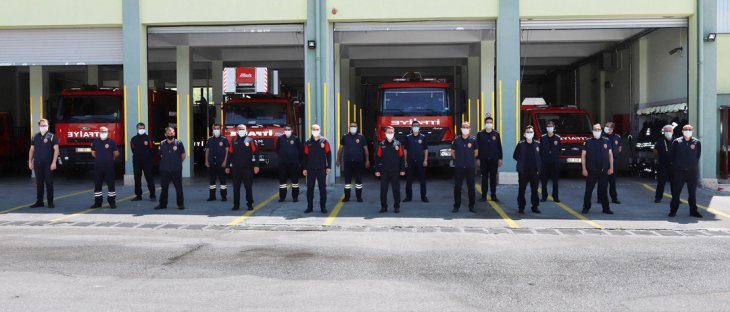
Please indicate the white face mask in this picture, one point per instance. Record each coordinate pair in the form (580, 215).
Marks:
(416, 129)
(465, 131)
(668, 135)
(287, 133)
(216, 133)
(242, 133)
(43, 129)
(597, 134)
(141, 131)
(103, 136)
(687, 133)
(390, 136)
(605, 129)
(529, 135)
(489, 126)
(550, 129)
(315, 133)
(353, 130)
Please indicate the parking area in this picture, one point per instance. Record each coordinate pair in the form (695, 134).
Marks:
(636, 212)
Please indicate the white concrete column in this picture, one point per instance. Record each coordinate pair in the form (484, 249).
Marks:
(184, 109)
(217, 86)
(487, 77)
(473, 91)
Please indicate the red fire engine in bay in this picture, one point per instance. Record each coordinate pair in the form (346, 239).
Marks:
(427, 100)
(82, 111)
(255, 98)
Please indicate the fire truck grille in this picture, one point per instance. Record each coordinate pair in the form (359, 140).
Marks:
(571, 149)
(265, 143)
(85, 140)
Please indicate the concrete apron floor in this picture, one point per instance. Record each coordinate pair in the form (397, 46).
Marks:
(637, 210)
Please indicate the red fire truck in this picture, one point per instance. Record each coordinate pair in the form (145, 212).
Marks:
(81, 112)
(427, 100)
(263, 110)
(574, 126)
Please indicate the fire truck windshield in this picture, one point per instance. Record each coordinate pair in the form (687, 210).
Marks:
(415, 101)
(256, 113)
(569, 123)
(96, 108)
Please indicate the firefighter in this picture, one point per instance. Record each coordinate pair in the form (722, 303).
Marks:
(142, 152)
(685, 156)
(389, 166)
(465, 152)
(172, 155)
(615, 143)
(216, 159)
(42, 158)
(289, 151)
(356, 159)
(490, 158)
(104, 151)
(662, 154)
(527, 155)
(416, 151)
(597, 163)
(243, 163)
(317, 165)
(550, 148)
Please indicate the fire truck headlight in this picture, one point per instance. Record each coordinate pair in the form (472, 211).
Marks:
(445, 153)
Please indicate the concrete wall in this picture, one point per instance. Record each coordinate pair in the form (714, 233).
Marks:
(60, 13)
(618, 96)
(723, 64)
(667, 74)
(194, 12)
(388, 10)
(603, 8)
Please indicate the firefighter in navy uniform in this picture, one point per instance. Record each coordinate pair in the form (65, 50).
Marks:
(317, 165)
(663, 154)
(550, 148)
(216, 159)
(104, 150)
(465, 153)
(685, 158)
(42, 161)
(389, 166)
(597, 163)
(356, 159)
(172, 155)
(615, 143)
(243, 163)
(527, 155)
(416, 161)
(490, 158)
(142, 152)
(289, 152)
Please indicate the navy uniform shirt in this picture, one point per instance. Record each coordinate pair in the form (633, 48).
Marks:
(685, 154)
(217, 149)
(597, 154)
(615, 142)
(389, 157)
(317, 154)
(243, 152)
(663, 148)
(142, 149)
(464, 149)
(415, 145)
(289, 149)
(550, 148)
(490, 145)
(104, 152)
(354, 147)
(527, 156)
(170, 156)
(43, 148)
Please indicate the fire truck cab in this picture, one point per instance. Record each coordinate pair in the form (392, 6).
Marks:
(427, 100)
(574, 126)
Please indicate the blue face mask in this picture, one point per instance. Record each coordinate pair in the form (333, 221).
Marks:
(216, 133)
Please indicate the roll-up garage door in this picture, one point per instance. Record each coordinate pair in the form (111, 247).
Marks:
(604, 23)
(67, 46)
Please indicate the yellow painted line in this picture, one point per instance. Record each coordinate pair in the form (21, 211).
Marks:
(129, 148)
(188, 125)
(493, 109)
(309, 108)
(333, 214)
(337, 122)
(31, 118)
(499, 210)
(479, 115)
(468, 110)
(500, 111)
(250, 212)
(348, 113)
(177, 113)
(55, 198)
(573, 212)
(93, 209)
(712, 210)
(40, 109)
(360, 118)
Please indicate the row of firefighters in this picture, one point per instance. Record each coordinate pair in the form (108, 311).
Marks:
(537, 159)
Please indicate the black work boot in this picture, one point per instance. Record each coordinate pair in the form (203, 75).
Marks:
(347, 195)
(211, 197)
(112, 202)
(224, 193)
(358, 193)
(282, 195)
(295, 193)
